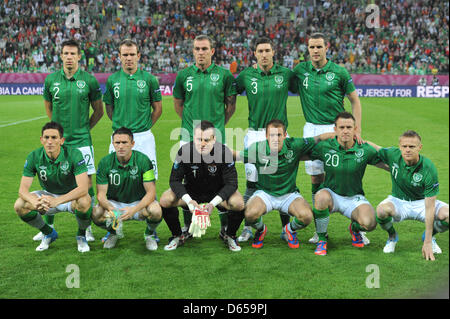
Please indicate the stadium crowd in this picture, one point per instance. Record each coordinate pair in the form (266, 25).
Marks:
(412, 37)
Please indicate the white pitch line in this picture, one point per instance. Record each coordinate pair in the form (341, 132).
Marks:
(24, 121)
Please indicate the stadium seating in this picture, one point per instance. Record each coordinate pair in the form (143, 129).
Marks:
(412, 37)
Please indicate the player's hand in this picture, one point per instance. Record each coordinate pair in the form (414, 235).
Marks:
(48, 201)
(358, 138)
(427, 251)
(202, 216)
(127, 213)
(209, 208)
(192, 205)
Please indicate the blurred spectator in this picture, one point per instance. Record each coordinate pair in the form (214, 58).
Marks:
(412, 37)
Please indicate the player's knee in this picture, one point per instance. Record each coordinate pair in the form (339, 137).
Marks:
(322, 200)
(251, 213)
(19, 206)
(97, 214)
(83, 204)
(154, 211)
(382, 211)
(306, 216)
(237, 203)
(443, 214)
(368, 223)
(166, 200)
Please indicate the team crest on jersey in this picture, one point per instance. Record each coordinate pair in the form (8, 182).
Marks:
(141, 84)
(359, 154)
(279, 80)
(289, 155)
(329, 76)
(417, 177)
(65, 167)
(133, 172)
(214, 78)
(212, 168)
(81, 84)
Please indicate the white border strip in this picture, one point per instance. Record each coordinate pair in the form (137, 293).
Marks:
(24, 121)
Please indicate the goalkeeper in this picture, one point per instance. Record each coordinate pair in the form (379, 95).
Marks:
(210, 177)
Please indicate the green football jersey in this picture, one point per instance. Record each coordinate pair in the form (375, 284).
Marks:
(277, 174)
(71, 99)
(322, 91)
(131, 95)
(267, 94)
(344, 169)
(204, 96)
(56, 176)
(125, 183)
(410, 182)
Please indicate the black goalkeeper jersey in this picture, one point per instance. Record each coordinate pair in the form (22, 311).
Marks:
(204, 176)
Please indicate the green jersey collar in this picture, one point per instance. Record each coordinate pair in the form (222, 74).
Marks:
(60, 157)
(273, 69)
(127, 164)
(130, 76)
(74, 77)
(324, 69)
(412, 168)
(208, 70)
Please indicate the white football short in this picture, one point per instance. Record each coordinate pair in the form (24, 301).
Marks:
(280, 203)
(346, 204)
(144, 142)
(411, 210)
(118, 205)
(310, 130)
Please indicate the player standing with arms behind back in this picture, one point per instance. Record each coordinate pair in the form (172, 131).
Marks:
(322, 86)
(68, 93)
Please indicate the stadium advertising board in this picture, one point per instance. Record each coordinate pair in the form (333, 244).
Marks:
(363, 91)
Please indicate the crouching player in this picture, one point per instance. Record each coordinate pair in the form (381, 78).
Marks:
(210, 177)
(62, 174)
(415, 186)
(126, 191)
(276, 159)
(345, 162)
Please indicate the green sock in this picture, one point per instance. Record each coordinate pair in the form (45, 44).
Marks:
(322, 220)
(34, 219)
(103, 225)
(258, 224)
(387, 224)
(295, 224)
(439, 226)
(49, 219)
(356, 227)
(151, 226)
(84, 220)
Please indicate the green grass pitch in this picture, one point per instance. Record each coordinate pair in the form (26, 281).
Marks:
(205, 268)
